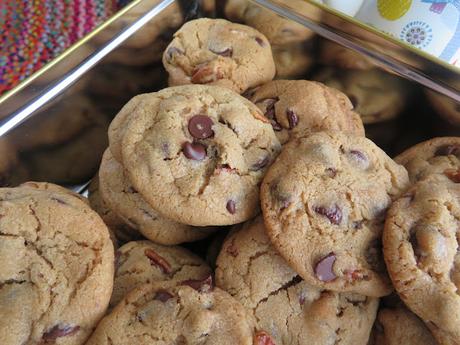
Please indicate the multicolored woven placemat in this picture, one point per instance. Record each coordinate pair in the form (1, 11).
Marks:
(33, 32)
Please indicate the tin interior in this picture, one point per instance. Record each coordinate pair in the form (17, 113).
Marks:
(77, 96)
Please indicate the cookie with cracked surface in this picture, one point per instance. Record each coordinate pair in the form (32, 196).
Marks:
(58, 276)
(376, 95)
(218, 52)
(197, 154)
(144, 262)
(165, 313)
(298, 107)
(324, 201)
(400, 326)
(127, 203)
(123, 233)
(252, 271)
(420, 246)
(433, 156)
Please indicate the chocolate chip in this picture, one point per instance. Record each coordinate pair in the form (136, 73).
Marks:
(333, 213)
(203, 285)
(263, 338)
(200, 127)
(359, 155)
(448, 150)
(292, 118)
(59, 332)
(453, 175)
(331, 172)
(163, 296)
(226, 52)
(260, 41)
(269, 104)
(173, 51)
(357, 224)
(158, 260)
(231, 206)
(282, 198)
(323, 268)
(353, 100)
(194, 151)
(260, 164)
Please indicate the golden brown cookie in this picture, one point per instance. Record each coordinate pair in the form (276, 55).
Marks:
(420, 246)
(58, 266)
(324, 202)
(218, 52)
(195, 153)
(252, 271)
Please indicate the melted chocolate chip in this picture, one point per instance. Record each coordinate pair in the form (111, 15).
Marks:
(194, 151)
(292, 118)
(358, 155)
(331, 172)
(173, 51)
(353, 100)
(226, 52)
(453, 175)
(163, 296)
(260, 164)
(231, 206)
(260, 41)
(200, 127)
(448, 150)
(59, 332)
(282, 198)
(263, 338)
(324, 268)
(232, 249)
(333, 213)
(158, 260)
(203, 285)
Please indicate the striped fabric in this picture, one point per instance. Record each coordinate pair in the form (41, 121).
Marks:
(33, 32)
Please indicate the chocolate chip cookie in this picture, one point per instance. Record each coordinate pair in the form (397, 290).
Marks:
(298, 107)
(218, 52)
(376, 95)
(57, 267)
(250, 269)
(400, 326)
(123, 232)
(196, 153)
(293, 60)
(146, 262)
(433, 156)
(324, 201)
(192, 312)
(121, 197)
(420, 246)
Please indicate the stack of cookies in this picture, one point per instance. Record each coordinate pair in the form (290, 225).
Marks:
(330, 240)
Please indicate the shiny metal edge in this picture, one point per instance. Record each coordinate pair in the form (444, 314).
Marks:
(20, 115)
(386, 62)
